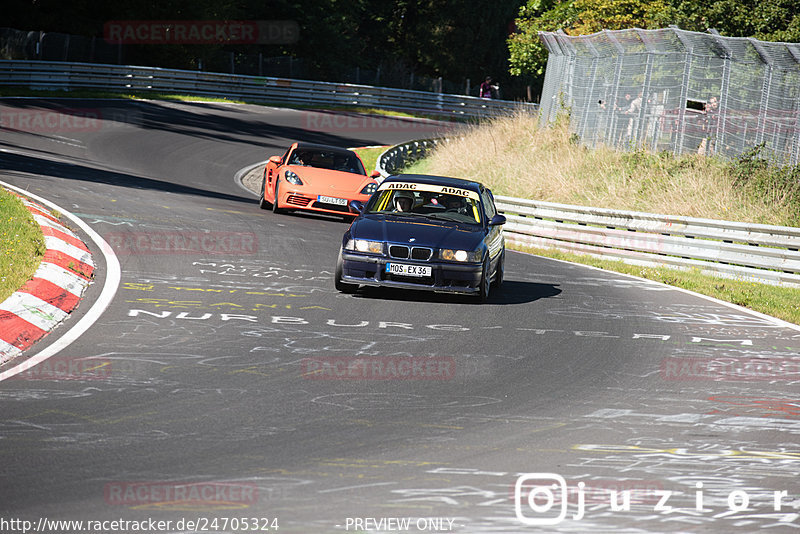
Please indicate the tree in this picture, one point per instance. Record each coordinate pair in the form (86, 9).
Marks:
(768, 20)
(527, 55)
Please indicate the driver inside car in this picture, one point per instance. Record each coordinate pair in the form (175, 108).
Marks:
(403, 201)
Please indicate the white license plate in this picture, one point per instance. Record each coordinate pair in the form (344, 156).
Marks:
(332, 200)
(408, 270)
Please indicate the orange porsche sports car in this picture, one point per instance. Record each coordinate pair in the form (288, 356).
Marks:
(317, 178)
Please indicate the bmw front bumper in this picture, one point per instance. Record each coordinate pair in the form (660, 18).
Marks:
(446, 277)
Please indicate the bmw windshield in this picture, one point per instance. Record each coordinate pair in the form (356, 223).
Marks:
(422, 200)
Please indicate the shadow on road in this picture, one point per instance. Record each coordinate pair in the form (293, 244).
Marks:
(511, 292)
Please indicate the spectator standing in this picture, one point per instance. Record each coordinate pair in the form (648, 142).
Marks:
(488, 89)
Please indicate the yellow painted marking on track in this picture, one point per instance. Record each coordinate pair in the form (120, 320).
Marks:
(249, 371)
(151, 287)
(677, 451)
(201, 289)
(229, 211)
(100, 366)
(138, 287)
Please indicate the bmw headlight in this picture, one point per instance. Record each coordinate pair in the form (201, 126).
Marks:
(369, 189)
(292, 178)
(460, 255)
(363, 245)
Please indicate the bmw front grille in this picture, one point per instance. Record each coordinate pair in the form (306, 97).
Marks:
(404, 252)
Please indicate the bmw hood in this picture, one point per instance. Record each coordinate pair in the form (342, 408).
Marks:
(417, 231)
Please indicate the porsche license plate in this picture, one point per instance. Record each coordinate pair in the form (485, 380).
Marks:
(332, 200)
(408, 270)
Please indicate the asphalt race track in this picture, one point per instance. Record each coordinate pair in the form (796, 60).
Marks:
(218, 397)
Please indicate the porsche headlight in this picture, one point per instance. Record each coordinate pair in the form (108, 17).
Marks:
(292, 178)
(363, 245)
(460, 255)
(369, 189)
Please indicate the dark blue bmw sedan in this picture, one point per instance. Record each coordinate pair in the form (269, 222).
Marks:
(424, 232)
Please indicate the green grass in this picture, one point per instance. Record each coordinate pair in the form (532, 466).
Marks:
(370, 156)
(780, 302)
(21, 244)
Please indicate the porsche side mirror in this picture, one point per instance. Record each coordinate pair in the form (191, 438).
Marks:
(375, 174)
(275, 159)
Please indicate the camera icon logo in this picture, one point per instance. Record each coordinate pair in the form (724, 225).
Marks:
(534, 494)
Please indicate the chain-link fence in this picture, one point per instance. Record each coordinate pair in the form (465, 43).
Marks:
(676, 90)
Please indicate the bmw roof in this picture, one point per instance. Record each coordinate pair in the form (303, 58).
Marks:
(436, 180)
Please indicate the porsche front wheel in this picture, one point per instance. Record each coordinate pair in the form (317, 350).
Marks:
(275, 208)
(262, 202)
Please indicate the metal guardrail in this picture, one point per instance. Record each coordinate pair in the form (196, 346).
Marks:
(398, 157)
(755, 252)
(68, 76)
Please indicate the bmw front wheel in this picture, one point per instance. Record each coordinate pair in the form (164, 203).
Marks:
(344, 287)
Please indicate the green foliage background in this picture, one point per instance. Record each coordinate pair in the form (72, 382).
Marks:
(454, 39)
(768, 20)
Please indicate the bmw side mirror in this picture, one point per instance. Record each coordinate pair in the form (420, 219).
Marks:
(497, 220)
(356, 206)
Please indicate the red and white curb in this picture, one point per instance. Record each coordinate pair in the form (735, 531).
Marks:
(54, 291)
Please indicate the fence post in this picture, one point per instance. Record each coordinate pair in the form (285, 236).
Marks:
(766, 86)
(687, 73)
(648, 75)
(719, 134)
(617, 78)
(589, 100)
(794, 158)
